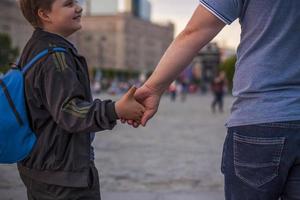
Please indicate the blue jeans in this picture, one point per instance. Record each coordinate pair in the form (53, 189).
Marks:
(262, 162)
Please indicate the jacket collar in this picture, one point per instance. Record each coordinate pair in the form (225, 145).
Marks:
(60, 41)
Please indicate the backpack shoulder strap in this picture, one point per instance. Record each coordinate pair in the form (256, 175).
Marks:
(41, 55)
(11, 102)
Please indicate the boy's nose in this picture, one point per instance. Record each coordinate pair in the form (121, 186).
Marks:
(79, 8)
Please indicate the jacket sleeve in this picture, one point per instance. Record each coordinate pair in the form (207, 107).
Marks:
(67, 101)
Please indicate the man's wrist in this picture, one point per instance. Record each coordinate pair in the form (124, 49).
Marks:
(155, 90)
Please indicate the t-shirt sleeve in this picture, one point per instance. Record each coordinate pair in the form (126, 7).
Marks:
(225, 10)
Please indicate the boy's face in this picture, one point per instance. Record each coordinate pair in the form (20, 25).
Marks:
(64, 17)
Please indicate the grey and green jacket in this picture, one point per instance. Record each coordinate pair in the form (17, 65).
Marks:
(61, 112)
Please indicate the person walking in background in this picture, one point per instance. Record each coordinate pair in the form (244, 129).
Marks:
(62, 112)
(217, 88)
(173, 91)
(261, 153)
(184, 90)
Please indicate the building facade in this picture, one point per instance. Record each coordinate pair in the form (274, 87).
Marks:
(119, 41)
(139, 8)
(123, 42)
(13, 23)
(144, 9)
(106, 7)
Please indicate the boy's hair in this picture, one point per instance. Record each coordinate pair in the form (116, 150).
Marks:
(30, 9)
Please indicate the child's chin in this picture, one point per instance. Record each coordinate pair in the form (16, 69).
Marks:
(73, 31)
(78, 27)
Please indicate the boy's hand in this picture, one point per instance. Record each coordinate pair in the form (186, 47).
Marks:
(128, 108)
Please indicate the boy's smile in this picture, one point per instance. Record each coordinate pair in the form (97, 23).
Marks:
(64, 18)
(78, 17)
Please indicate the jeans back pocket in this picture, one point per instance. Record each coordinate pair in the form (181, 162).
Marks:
(257, 159)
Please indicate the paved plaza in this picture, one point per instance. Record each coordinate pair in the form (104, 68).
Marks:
(176, 157)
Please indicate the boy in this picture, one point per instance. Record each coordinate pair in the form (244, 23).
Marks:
(61, 110)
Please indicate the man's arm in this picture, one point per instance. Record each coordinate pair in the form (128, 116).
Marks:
(202, 27)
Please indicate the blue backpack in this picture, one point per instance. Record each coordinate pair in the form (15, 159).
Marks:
(16, 137)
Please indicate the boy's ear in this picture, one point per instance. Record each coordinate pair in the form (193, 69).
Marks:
(43, 15)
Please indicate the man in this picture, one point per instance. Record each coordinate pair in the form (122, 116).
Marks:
(261, 154)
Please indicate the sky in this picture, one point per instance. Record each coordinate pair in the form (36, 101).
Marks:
(179, 13)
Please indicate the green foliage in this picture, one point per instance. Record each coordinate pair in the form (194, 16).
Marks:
(229, 66)
(8, 53)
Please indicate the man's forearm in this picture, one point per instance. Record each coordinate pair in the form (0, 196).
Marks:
(175, 59)
(201, 29)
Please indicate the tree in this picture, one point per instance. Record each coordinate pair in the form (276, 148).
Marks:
(229, 66)
(8, 53)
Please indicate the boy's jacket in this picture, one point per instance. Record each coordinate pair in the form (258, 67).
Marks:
(61, 113)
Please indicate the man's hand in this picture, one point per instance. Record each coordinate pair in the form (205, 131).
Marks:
(149, 98)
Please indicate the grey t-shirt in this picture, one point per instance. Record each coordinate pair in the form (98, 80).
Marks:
(266, 84)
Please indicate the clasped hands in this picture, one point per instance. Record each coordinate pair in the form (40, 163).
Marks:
(137, 106)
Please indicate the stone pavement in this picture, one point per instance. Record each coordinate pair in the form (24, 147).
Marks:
(176, 157)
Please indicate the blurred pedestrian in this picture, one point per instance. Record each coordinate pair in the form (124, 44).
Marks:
(217, 88)
(173, 91)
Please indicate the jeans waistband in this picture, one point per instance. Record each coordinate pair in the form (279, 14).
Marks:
(285, 124)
